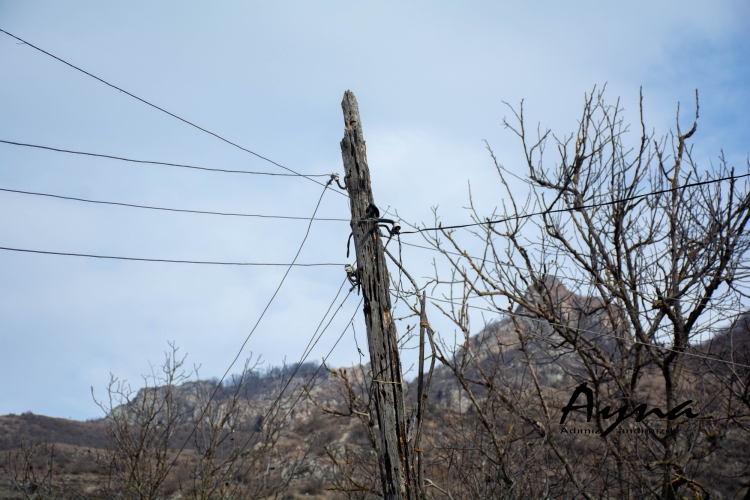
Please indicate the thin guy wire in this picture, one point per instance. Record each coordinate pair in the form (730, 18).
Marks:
(308, 351)
(582, 330)
(302, 360)
(556, 324)
(262, 314)
(130, 205)
(586, 331)
(560, 210)
(315, 374)
(313, 341)
(296, 369)
(110, 157)
(293, 264)
(578, 281)
(165, 111)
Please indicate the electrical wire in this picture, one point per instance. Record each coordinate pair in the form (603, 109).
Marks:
(262, 314)
(314, 375)
(150, 162)
(130, 205)
(167, 112)
(583, 330)
(313, 340)
(578, 281)
(304, 358)
(308, 349)
(293, 264)
(560, 210)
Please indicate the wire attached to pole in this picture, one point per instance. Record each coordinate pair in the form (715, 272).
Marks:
(164, 110)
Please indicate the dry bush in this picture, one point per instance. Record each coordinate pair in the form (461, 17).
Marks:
(177, 437)
(31, 471)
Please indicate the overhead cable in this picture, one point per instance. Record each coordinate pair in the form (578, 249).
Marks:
(130, 205)
(150, 162)
(578, 281)
(583, 330)
(312, 378)
(165, 111)
(310, 345)
(560, 210)
(166, 260)
(260, 318)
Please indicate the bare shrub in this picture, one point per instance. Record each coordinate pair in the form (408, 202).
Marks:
(31, 471)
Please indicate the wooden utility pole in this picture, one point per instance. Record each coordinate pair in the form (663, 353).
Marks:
(395, 454)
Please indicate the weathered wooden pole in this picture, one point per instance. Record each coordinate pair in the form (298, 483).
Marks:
(396, 456)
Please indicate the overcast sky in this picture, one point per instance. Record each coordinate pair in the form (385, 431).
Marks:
(430, 77)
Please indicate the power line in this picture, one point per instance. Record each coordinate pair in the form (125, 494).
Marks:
(242, 347)
(550, 323)
(315, 374)
(293, 264)
(306, 353)
(314, 341)
(578, 281)
(467, 256)
(130, 205)
(262, 314)
(559, 210)
(349, 323)
(167, 112)
(180, 165)
(583, 330)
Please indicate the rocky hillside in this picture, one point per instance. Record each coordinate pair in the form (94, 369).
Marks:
(312, 425)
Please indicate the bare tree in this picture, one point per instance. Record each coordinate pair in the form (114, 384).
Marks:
(142, 427)
(355, 463)
(603, 285)
(727, 375)
(220, 424)
(228, 436)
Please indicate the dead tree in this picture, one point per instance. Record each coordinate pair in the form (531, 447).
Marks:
(612, 286)
(142, 428)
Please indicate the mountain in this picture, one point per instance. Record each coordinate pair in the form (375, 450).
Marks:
(315, 447)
